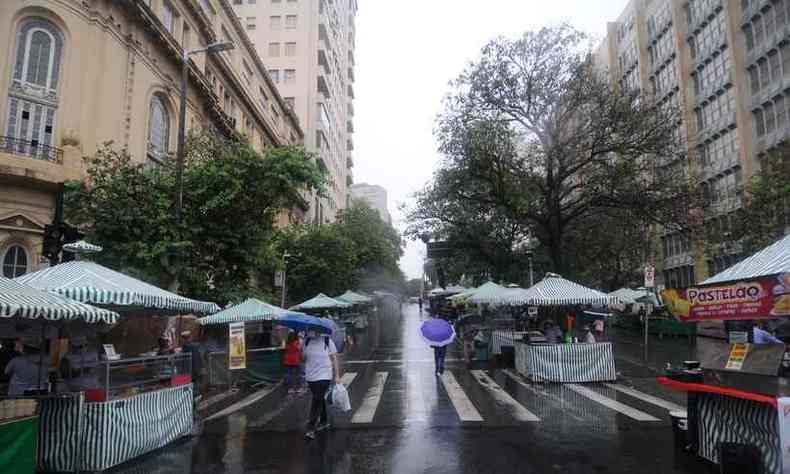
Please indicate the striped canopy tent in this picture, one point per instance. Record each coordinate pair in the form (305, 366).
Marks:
(488, 293)
(321, 301)
(629, 296)
(554, 290)
(89, 282)
(22, 301)
(251, 310)
(354, 298)
(769, 261)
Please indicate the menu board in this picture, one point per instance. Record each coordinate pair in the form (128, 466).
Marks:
(738, 354)
(760, 298)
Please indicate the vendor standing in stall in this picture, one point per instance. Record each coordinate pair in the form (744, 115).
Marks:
(29, 370)
(78, 367)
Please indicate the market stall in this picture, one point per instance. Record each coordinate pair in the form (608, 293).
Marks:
(323, 305)
(25, 310)
(739, 398)
(556, 300)
(263, 363)
(136, 404)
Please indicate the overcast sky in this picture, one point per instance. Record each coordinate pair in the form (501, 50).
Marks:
(406, 52)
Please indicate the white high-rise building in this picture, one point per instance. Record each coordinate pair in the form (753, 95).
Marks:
(375, 196)
(308, 46)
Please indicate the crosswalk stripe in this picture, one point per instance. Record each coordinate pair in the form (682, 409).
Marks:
(463, 406)
(538, 393)
(367, 410)
(503, 398)
(646, 397)
(348, 378)
(613, 404)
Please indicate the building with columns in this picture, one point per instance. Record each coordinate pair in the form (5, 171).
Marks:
(75, 74)
(309, 46)
(726, 65)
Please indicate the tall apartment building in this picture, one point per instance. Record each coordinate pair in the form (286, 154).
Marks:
(308, 46)
(374, 196)
(80, 73)
(726, 65)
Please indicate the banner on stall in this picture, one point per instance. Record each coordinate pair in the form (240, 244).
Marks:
(759, 298)
(783, 406)
(237, 353)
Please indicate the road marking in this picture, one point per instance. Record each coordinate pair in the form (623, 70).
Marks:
(613, 404)
(463, 406)
(646, 397)
(398, 361)
(348, 378)
(503, 398)
(559, 401)
(244, 403)
(367, 410)
(417, 410)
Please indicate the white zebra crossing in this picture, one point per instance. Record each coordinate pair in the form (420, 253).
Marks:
(348, 378)
(660, 402)
(417, 410)
(367, 410)
(612, 404)
(503, 398)
(463, 406)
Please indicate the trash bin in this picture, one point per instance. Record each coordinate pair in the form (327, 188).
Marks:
(739, 458)
(680, 429)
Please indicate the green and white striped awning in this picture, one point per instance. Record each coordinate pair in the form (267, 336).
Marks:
(249, 311)
(22, 301)
(769, 261)
(553, 290)
(89, 282)
(354, 298)
(321, 302)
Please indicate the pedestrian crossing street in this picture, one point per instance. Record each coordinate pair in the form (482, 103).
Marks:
(392, 396)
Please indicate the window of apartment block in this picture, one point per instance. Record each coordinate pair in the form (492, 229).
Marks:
(274, 50)
(275, 22)
(277, 1)
(780, 13)
(252, 2)
(291, 101)
(289, 76)
(784, 51)
(251, 23)
(264, 98)
(186, 36)
(765, 75)
(781, 112)
(248, 74)
(292, 1)
(759, 124)
(290, 22)
(275, 75)
(770, 118)
(749, 37)
(775, 64)
(169, 17)
(768, 20)
(290, 49)
(757, 26)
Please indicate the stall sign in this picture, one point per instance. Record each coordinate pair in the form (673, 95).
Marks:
(759, 298)
(783, 407)
(237, 352)
(737, 356)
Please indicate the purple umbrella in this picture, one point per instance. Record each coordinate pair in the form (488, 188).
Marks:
(437, 332)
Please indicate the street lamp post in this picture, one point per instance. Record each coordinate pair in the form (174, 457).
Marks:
(286, 256)
(182, 116)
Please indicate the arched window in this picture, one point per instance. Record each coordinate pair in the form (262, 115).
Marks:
(14, 261)
(33, 94)
(158, 129)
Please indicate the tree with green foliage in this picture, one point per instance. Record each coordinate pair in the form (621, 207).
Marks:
(232, 196)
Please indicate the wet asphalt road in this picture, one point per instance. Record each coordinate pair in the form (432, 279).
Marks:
(405, 419)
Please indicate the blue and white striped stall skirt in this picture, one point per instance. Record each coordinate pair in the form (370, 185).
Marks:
(566, 362)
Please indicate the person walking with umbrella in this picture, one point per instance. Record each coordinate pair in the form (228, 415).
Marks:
(438, 333)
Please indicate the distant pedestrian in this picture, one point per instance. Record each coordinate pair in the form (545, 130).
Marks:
(188, 346)
(469, 345)
(598, 326)
(419, 303)
(292, 363)
(588, 335)
(321, 367)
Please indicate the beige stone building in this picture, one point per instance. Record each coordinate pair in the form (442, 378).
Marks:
(308, 46)
(77, 73)
(726, 65)
(374, 196)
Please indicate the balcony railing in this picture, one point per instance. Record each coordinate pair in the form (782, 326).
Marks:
(31, 148)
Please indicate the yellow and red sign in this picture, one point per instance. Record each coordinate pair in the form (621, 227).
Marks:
(760, 298)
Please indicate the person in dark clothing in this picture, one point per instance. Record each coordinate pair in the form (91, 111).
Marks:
(190, 347)
(438, 358)
(7, 352)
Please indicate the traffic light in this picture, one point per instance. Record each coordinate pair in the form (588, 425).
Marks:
(53, 241)
(70, 234)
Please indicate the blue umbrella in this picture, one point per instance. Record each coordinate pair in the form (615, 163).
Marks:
(437, 332)
(304, 322)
